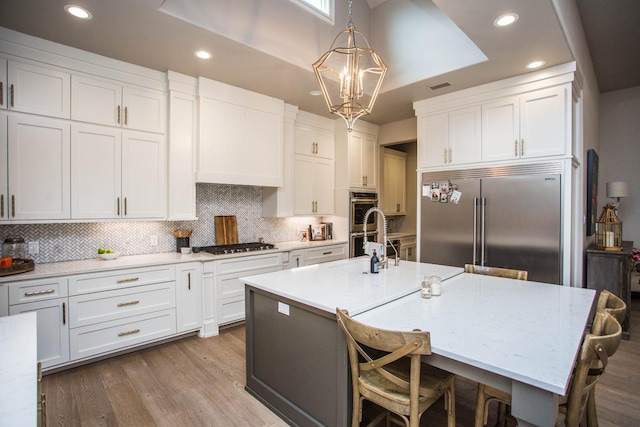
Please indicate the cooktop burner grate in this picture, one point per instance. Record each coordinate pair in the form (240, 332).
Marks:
(230, 249)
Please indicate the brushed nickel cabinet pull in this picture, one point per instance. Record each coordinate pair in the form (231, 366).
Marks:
(12, 95)
(189, 280)
(124, 304)
(13, 206)
(35, 293)
(126, 115)
(327, 253)
(515, 148)
(118, 114)
(118, 205)
(1, 93)
(522, 148)
(64, 313)
(1, 205)
(122, 334)
(125, 206)
(450, 156)
(132, 279)
(445, 155)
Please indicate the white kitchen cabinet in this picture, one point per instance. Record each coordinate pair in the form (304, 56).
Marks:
(3, 84)
(326, 254)
(313, 185)
(36, 89)
(183, 128)
(37, 168)
(450, 138)
(525, 126)
(116, 174)
(189, 296)
(241, 136)
(229, 289)
(48, 298)
(4, 299)
(313, 141)
(356, 156)
(408, 248)
(394, 185)
(293, 259)
(108, 102)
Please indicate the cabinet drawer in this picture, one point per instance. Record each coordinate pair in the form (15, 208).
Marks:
(326, 254)
(87, 283)
(111, 305)
(245, 264)
(230, 310)
(37, 290)
(119, 334)
(230, 285)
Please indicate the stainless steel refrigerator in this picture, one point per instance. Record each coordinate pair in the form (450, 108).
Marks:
(506, 217)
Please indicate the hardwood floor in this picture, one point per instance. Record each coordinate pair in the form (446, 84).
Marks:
(200, 382)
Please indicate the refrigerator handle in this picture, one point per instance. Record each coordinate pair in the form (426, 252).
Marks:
(475, 230)
(483, 206)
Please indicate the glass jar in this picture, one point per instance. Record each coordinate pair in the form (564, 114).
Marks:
(14, 247)
(425, 292)
(436, 285)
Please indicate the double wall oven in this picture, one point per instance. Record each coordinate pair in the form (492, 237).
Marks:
(361, 202)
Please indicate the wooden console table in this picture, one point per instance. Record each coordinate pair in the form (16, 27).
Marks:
(611, 270)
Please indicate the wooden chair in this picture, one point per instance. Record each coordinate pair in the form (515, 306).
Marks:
(488, 394)
(383, 375)
(592, 361)
(496, 271)
(617, 308)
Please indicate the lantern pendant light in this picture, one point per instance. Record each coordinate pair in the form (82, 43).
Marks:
(350, 74)
(608, 230)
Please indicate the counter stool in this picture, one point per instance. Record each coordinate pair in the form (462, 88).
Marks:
(496, 271)
(383, 375)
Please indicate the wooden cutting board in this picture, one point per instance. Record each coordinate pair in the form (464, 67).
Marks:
(226, 230)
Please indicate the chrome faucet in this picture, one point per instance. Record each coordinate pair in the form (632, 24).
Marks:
(384, 261)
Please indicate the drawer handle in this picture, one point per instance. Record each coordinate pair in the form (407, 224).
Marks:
(35, 293)
(133, 279)
(189, 280)
(122, 334)
(327, 253)
(124, 304)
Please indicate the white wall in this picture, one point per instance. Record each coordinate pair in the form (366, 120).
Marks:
(620, 155)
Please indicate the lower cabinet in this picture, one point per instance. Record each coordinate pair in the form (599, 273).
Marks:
(326, 254)
(189, 296)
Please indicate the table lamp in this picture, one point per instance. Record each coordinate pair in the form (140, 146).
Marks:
(617, 190)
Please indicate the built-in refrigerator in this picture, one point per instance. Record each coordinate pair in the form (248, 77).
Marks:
(506, 217)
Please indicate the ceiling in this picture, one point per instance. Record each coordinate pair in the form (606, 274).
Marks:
(267, 46)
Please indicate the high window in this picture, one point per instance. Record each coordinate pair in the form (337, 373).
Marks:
(323, 8)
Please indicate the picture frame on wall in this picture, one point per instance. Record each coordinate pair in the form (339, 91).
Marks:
(592, 190)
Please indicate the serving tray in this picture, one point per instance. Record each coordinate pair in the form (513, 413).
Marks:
(20, 265)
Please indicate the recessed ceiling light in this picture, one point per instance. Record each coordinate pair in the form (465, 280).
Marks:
(315, 93)
(203, 54)
(78, 11)
(506, 19)
(535, 64)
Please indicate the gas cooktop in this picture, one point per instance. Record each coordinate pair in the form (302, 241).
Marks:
(231, 249)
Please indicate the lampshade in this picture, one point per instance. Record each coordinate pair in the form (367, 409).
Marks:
(350, 74)
(617, 189)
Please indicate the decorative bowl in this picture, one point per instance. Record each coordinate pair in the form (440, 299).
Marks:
(110, 256)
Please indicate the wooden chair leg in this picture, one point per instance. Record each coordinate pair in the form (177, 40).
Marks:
(480, 417)
(592, 417)
(450, 405)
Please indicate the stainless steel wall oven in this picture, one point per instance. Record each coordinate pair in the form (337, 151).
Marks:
(361, 202)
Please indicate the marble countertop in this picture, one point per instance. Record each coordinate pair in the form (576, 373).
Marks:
(528, 331)
(348, 283)
(18, 370)
(94, 265)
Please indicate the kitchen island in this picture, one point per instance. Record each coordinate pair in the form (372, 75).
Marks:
(296, 353)
(521, 337)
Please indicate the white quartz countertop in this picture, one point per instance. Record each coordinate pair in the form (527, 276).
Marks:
(95, 265)
(18, 370)
(348, 283)
(527, 331)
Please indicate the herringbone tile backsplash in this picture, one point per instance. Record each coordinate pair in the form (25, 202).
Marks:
(66, 242)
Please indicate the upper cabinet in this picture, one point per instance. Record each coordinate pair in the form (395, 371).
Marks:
(34, 89)
(356, 156)
(111, 103)
(394, 198)
(521, 118)
(241, 136)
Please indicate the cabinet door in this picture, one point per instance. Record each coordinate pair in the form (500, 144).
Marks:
(3, 83)
(4, 198)
(189, 296)
(394, 197)
(96, 101)
(433, 140)
(182, 140)
(39, 172)
(38, 90)
(53, 329)
(143, 177)
(369, 156)
(143, 109)
(96, 154)
(501, 130)
(543, 122)
(356, 174)
(323, 186)
(465, 136)
(303, 182)
(313, 142)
